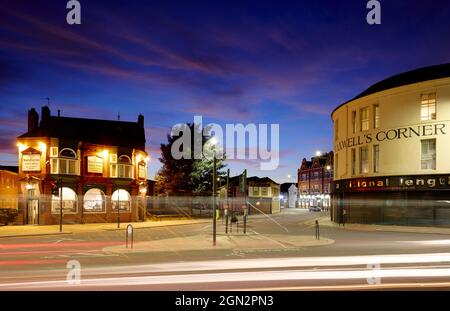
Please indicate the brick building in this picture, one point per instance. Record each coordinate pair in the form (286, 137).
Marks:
(96, 170)
(314, 181)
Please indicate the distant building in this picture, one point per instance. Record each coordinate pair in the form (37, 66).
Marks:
(263, 195)
(9, 187)
(314, 181)
(97, 170)
(287, 194)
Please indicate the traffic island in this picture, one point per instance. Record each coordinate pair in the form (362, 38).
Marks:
(253, 242)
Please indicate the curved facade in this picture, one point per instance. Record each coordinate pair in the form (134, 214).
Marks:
(392, 151)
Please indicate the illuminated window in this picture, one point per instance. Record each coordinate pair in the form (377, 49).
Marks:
(66, 163)
(264, 191)
(376, 158)
(363, 160)
(428, 107)
(54, 152)
(123, 168)
(428, 157)
(122, 199)
(255, 191)
(353, 122)
(353, 159)
(69, 201)
(376, 116)
(94, 201)
(364, 118)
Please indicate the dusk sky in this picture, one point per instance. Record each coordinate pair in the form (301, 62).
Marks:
(281, 62)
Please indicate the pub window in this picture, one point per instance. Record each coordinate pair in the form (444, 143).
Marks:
(123, 167)
(69, 201)
(363, 160)
(122, 199)
(428, 156)
(264, 191)
(66, 163)
(94, 201)
(255, 191)
(353, 161)
(354, 121)
(54, 152)
(428, 107)
(376, 158)
(376, 116)
(364, 118)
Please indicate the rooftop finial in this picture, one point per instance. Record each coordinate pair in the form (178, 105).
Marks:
(118, 116)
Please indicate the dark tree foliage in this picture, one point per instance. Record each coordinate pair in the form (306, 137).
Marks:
(187, 176)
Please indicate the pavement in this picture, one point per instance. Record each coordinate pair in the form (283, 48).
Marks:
(236, 242)
(325, 221)
(37, 230)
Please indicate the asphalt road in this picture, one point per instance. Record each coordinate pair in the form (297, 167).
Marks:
(357, 260)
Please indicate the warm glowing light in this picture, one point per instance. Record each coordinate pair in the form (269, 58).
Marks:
(318, 153)
(257, 203)
(21, 147)
(42, 146)
(328, 167)
(147, 159)
(138, 158)
(143, 190)
(29, 186)
(105, 153)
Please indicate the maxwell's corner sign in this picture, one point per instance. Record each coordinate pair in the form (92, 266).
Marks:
(393, 183)
(393, 134)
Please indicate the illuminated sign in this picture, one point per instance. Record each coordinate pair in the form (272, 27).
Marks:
(31, 162)
(417, 182)
(393, 134)
(142, 171)
(95, 165)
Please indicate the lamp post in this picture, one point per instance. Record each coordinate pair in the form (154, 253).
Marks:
(60, 205)
(118, 208)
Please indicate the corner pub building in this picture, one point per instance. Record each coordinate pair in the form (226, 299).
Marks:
(97, 170)
(392, 152)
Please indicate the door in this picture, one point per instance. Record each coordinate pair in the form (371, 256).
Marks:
(32, 208)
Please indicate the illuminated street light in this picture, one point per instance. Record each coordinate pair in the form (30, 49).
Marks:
(318, 153)
(328, 167)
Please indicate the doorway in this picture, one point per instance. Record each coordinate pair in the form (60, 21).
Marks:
(32, 208)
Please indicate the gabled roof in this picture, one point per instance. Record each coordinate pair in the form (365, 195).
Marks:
(102, 132)
(13, 169)
(406, 78)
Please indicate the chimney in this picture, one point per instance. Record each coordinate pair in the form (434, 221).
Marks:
(33, 120)
(141, 120)
(45, 114)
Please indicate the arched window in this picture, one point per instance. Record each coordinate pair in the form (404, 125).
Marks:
(94, 201)
(123, 168)
(121, 198)
(69, 201)
(66, 163)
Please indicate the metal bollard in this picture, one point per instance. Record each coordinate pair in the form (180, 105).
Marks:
(130, 232)
(317, 230)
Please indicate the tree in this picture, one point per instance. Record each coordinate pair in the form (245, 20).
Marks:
(191, 174)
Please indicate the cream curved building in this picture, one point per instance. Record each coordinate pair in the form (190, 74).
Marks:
(392, 151)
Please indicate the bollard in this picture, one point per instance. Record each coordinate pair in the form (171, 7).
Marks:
(317, 230)
(130, 233)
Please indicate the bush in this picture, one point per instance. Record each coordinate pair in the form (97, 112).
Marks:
(7, 215)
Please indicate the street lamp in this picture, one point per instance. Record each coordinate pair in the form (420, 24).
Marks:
(318, 153)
